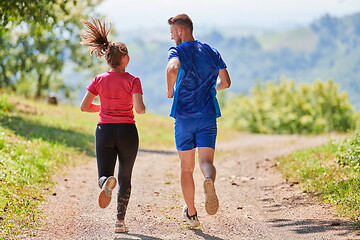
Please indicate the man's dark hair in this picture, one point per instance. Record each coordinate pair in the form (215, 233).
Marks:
(181, 20)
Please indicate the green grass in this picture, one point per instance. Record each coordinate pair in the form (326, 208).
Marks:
(319, 172)
(26, 168)
(74, 128)
(155, 132)
(36, 141)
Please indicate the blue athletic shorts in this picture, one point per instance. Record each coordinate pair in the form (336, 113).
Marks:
(195, 132)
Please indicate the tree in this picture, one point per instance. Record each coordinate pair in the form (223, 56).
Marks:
(17, 11)
(36, 39)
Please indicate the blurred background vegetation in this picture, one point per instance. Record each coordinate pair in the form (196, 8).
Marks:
(285, 107)
(41, 54)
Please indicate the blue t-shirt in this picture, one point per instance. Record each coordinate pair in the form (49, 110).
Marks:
(194, 90)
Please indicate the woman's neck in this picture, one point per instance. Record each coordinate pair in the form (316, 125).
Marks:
(118, 69)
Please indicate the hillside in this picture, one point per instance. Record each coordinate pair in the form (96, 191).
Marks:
(328, 48)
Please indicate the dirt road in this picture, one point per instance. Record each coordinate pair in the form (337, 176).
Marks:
(255, 202)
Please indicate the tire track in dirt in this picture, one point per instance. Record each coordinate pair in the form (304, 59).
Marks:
(255, 202)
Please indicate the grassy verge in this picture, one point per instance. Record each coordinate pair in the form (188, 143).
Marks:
(36, 141)
(322, 171)
(26, 167)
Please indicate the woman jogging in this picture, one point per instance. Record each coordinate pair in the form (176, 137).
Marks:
(116, 134)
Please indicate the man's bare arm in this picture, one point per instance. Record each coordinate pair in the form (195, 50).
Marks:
(172, 70)
(225, 81)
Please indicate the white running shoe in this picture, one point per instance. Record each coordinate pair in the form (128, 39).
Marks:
(120, 227)
(211, 200)
(106, 192)
(193, 221)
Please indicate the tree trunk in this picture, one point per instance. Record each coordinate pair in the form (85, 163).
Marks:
(4, 81)
(39, 87)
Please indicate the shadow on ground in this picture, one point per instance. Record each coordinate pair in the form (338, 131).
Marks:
(309, 226)
(206, 236)
(128, 236)
(139, 236)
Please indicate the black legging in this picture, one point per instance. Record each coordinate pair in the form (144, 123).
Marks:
(117, 140)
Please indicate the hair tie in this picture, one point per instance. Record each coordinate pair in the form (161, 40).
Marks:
(105, 47)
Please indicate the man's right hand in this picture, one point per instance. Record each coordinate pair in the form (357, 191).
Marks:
(169, 93)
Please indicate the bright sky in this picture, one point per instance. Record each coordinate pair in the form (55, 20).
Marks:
(266, 14)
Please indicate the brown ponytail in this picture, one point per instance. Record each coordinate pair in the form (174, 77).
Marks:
(95, 37)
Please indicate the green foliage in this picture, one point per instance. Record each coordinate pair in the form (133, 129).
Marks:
(5, 106)
(287, 108)
(16, 11)
(318, 171)
(349, 153)
(36, 39)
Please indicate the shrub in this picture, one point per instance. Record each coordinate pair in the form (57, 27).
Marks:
(5, 106)
(349, 153)
(286, 108)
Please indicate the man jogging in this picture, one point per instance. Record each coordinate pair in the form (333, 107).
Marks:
(192, 77)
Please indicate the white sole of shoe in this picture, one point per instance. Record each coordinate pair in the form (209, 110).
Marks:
(106, 192)
(211, 199)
